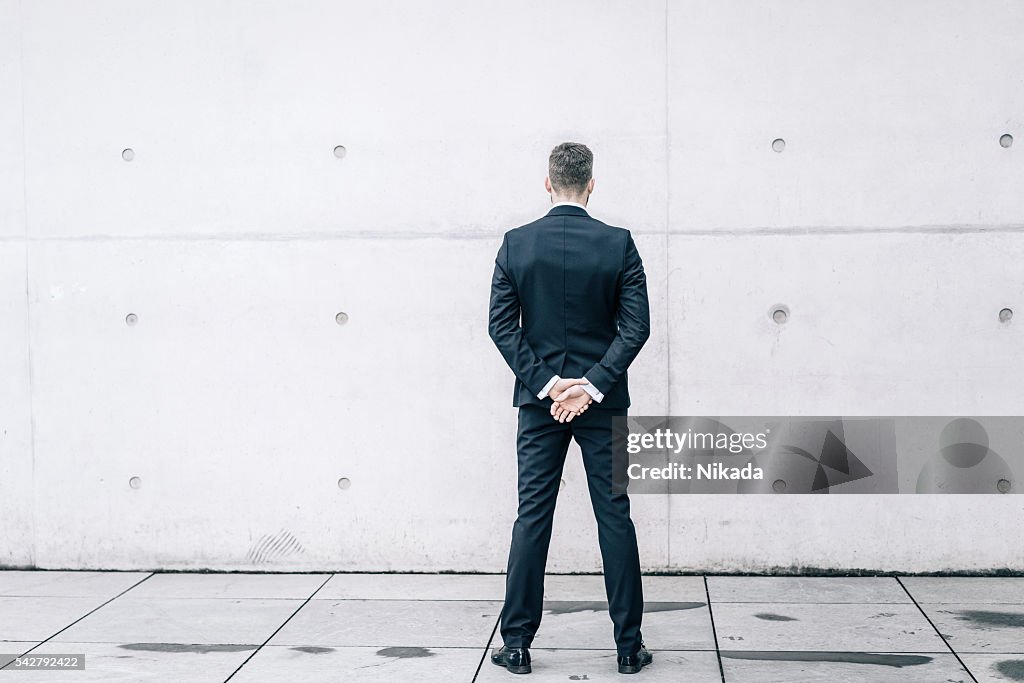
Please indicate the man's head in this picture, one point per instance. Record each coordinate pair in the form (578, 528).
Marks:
(570, 173)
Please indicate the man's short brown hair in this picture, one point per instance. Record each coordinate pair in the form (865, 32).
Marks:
(570, 167)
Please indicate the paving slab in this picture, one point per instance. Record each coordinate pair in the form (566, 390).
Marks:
(550, 665)
(391, 623)
(979, 627)
(831, 627)
(829, 667)
(808, 589)
(988, 668)
(656, 588)
(585, 625)
(966, 589)
(14, 582)
(274, 663)
(173, 620)
(37, 618)
(11, 648)
(132, 662)
(235, 586)
(413, 587)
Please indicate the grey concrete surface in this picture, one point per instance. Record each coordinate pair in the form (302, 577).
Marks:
(890, 227)
(385, 628)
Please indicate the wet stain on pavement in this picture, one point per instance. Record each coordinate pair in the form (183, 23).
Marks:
(841, 657)
(768, 616)
(652, 607)
(990, 618)
(186, 647)
(574, 606)
(1011, 668)
(404, 652)
(310, 649)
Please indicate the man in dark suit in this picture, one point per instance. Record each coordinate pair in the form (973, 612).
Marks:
(569, 313)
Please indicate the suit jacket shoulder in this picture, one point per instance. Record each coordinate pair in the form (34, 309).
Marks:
(594, 223)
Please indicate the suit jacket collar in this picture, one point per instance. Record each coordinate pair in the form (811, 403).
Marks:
(567, 210)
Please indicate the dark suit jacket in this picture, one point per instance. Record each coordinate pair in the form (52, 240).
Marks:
(579, 289)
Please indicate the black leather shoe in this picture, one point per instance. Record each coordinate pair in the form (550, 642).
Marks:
(515, 659)
(632, 664)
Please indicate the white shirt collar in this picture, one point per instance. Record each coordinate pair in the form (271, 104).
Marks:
(570, 204)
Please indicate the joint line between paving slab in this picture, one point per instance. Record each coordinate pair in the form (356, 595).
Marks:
(937, 631)
(278, 629)
(714, 633)
(487, 648)
(106, 602)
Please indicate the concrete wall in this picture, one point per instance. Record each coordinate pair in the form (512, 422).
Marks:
(891, 226)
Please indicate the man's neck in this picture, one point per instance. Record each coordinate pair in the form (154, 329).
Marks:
(555, 199)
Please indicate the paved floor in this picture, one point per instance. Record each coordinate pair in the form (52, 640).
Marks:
(423, 628)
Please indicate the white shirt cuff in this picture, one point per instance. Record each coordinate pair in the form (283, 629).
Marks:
(547, 387)
(592, 390)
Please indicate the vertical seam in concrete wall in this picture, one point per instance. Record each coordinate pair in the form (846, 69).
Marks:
(668, 285)
(28, 295)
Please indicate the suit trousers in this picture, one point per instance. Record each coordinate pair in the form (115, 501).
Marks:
(542, 443)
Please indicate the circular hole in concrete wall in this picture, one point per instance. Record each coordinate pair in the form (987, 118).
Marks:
(135, 482)
(778, 144)
(344, 483)
(1005, 315)
(340, 151)
(131, 319)
(779, 486)
(127, 153)
(341, 318)
(779, 313)
(1005, 140)
(1003, 486)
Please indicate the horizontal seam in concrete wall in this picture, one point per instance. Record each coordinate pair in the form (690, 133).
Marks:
(314, 236)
